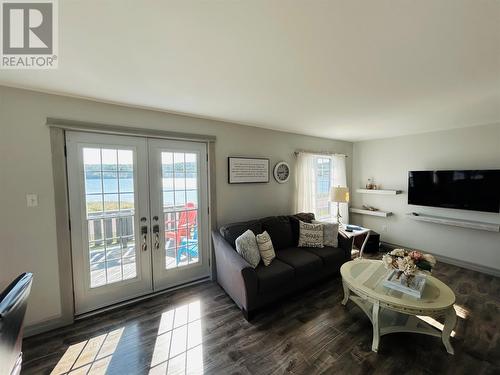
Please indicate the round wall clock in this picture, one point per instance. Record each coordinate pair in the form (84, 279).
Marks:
(281, 172)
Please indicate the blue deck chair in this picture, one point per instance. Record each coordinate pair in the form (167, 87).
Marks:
(188, 247)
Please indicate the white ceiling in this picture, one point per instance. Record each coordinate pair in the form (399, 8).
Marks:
(348, 69)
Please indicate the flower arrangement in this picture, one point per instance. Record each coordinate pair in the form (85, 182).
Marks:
(407, 262)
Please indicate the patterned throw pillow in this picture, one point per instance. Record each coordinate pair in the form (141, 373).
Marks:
(330, 233)
(266, 248)
(246, 246)
(310, 235)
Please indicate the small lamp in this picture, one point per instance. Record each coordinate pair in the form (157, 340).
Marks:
(340, 195)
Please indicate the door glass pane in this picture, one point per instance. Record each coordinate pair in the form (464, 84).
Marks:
(110, 182)
(110, 204)
(180, 208)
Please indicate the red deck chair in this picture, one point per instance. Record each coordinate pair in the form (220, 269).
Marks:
(187, 220)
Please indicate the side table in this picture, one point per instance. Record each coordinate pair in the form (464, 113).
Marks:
(355, 233)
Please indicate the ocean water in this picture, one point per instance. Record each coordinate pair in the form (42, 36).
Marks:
(176, 191)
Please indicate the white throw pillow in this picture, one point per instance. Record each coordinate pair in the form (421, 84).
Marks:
(330, 233)
(310, 235)
(246, 246)
(266, 248)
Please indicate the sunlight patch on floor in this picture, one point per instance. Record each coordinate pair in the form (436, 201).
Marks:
(433, 322)
(461, 311)
(89, 357)
(178, 348)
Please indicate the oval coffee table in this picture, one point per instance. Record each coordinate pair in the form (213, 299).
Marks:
(392, 311)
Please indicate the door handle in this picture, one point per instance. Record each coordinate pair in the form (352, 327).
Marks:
(144, 234)
(156, 231)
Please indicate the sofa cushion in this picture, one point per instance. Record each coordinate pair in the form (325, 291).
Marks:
(266, 249)
(306, 217)
(280, 230)
(231, 232)
(311, 235)
(331, 256)
(295, 224)
(277, 273)
(246, 246)
(304, 262)
(330, 233)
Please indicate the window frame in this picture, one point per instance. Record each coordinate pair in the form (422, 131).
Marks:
(321, 196)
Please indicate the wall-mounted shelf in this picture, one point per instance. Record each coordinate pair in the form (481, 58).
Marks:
(369, 212)
(491, 227)
(378, 191)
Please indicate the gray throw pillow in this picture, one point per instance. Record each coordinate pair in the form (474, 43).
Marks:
(330, 233)
(310, 235)
(266, 248)
(246, 246)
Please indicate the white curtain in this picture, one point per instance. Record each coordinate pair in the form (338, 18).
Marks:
(340, 179)
(305, 183)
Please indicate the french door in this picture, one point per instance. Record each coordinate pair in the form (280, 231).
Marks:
(139, 216)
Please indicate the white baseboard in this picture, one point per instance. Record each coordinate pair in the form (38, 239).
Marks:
(46, 325)
(456, 262)
(468, 265)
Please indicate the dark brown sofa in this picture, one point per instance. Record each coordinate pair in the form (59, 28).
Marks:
(293, 269)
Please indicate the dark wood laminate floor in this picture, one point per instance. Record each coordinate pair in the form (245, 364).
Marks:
(311, 333)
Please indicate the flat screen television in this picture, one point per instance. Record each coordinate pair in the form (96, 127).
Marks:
(476, 190)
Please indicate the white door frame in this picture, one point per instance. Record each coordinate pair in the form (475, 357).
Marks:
(167, 278)
(86, 298)
(152, 276)
(58, 128)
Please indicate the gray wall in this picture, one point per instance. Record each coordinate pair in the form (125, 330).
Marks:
(28, 235)
(388, 162)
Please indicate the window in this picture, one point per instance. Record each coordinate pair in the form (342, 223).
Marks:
(316, 174)
(323, 173)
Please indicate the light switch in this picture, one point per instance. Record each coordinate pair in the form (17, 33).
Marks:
(32, 200)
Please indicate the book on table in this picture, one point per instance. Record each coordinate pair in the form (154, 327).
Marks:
(413, 286)
(353, 227)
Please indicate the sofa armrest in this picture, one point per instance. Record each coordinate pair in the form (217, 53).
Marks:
(346, 245)
(234, 273)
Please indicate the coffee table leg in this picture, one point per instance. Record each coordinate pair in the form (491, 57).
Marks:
(376, 328)
(346, 294)
(449, 324)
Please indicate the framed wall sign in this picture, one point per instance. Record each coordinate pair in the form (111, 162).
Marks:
(247, 170)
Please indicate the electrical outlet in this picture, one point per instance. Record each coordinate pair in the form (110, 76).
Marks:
(384, 228)
(31, 200)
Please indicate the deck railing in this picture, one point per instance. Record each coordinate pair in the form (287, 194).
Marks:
(111, 227)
